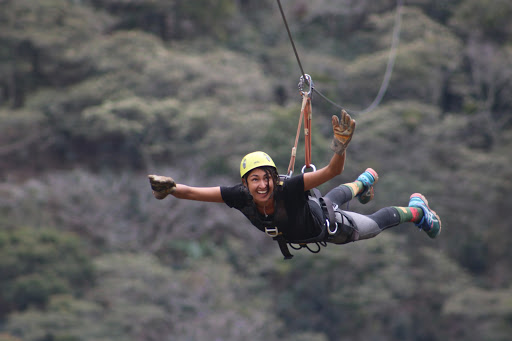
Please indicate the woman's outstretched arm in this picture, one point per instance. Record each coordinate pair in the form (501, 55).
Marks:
(162, 186)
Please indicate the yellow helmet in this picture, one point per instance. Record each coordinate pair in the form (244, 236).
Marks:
(254, 160)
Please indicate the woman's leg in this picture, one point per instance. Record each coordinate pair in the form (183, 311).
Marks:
(341, 194)
(368, 226)
(417, 212)
(362, 188)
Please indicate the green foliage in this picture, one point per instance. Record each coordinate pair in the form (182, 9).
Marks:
(95, 94)
(440, 10)
(86, 118)
(492, 318)
(136, 129)
(36, 264)
(428, 53)
(488, 18)
(365, 285)
(39, 45)
(8, 337)
(66, 318)
(211, 16)
(18, 147)
(137, 298)
(179, 19)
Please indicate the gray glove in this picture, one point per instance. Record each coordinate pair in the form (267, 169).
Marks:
(162, 186)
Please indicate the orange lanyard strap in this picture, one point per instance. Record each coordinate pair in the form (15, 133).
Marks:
(305, 113)
(307, 131)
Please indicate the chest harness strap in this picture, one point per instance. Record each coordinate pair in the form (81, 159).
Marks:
(278, 236)
(330, 220)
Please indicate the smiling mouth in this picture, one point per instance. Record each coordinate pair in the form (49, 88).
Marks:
(262, 192)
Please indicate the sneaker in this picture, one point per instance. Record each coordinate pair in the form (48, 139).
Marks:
(368, 178)
(430, 223)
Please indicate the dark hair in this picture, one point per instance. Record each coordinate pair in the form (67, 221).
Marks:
(270, 171)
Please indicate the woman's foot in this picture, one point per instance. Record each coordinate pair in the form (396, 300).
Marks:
(369, 178)
(430, 223)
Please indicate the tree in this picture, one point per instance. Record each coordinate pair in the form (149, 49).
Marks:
(138, 298)
(38, 263)
(39, 43)
(173, 20)
(486, 19)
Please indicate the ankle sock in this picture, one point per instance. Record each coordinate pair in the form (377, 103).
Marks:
(409, 214)
(355, 187)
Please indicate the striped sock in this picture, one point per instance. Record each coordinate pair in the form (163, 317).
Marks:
(355, 187)
(409, 214)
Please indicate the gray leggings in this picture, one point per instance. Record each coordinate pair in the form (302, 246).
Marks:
(360, 226)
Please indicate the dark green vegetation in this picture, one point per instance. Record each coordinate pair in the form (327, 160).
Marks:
(96, 94)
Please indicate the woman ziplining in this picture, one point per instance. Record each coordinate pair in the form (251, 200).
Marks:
(291, 210)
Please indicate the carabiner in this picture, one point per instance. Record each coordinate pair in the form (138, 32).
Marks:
(312, 166)
(307, 81)
(328, 224)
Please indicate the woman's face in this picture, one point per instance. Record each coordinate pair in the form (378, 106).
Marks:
(260, 185)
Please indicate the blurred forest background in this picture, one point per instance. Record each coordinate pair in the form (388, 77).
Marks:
(96, 94)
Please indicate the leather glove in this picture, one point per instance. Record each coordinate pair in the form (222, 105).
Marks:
(343, 131)
(162, 186)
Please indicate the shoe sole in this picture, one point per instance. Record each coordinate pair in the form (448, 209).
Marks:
(369, 194)
(374, 174)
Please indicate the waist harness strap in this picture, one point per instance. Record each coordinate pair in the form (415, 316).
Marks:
(283, 246)
(328, 209)
(330, 223)
(281, 241)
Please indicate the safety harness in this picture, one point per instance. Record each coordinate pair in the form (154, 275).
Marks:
(319, 240)
(333, 230)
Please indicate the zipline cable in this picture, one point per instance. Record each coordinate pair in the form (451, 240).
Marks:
(389, 67)
(291, 39)
(391, 60)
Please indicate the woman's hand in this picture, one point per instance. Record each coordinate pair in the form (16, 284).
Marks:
(162, 186)
(343, 131)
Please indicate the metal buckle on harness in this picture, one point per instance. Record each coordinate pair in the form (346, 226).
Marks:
(329, 227)
(334, 207)
(272, 232)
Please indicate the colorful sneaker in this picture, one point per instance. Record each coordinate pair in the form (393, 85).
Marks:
(368, 178)
(430, 223)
